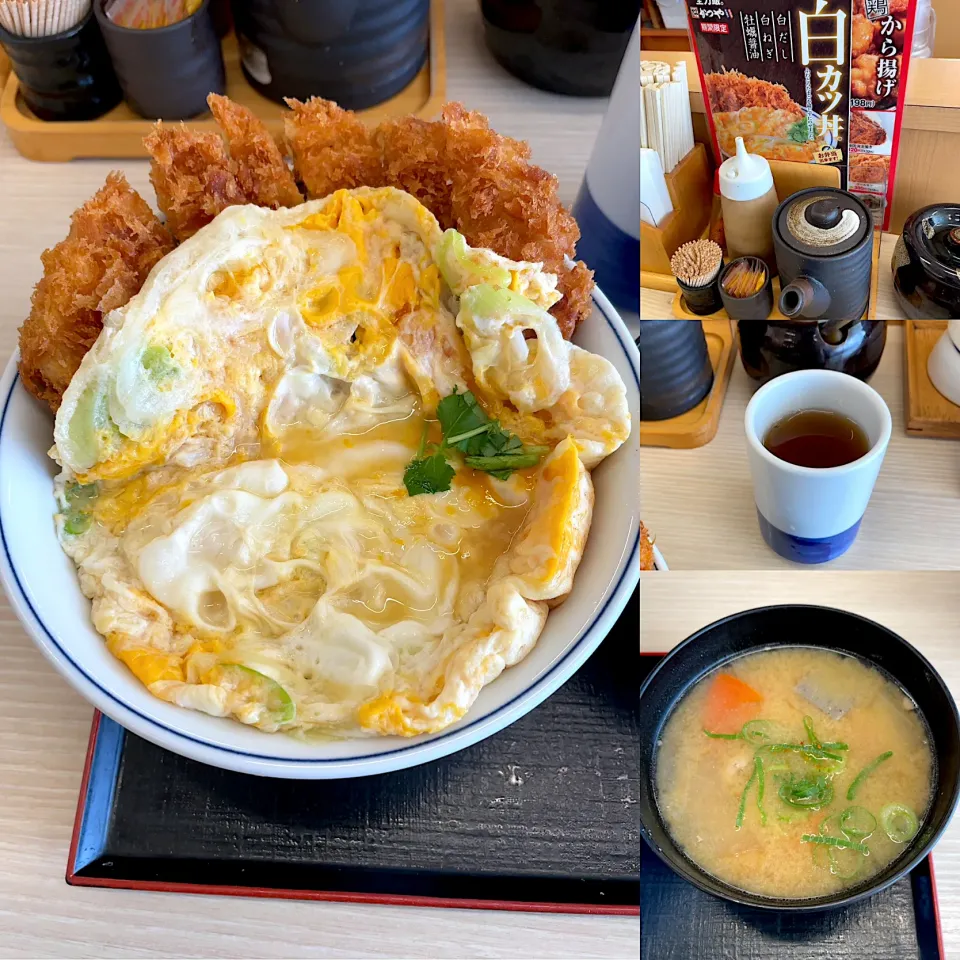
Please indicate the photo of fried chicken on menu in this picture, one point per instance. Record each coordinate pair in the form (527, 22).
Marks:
(771, 123)
(866, 51)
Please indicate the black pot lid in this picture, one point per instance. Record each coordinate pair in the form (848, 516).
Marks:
(823, 222)
(932, 237)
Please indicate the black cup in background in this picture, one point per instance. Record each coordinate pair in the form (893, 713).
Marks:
(675, 369)
(67, 76)
(757, 307)
(166, 73)
(222, 17)
(356, 52)
(556, 45)
(701, 300)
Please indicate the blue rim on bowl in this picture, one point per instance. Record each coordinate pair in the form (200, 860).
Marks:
(149, 724)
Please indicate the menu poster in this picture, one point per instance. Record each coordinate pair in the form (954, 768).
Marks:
(819, 81)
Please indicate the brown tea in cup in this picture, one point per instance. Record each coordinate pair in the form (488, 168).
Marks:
(817, 438)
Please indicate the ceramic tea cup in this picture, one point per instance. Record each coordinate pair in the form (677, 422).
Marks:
(813, 514)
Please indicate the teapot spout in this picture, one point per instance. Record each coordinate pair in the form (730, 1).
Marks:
(804, 297)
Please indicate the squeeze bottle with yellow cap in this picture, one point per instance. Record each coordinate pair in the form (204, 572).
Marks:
(748, 200)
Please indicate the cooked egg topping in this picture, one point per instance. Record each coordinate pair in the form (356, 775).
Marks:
(234, 450)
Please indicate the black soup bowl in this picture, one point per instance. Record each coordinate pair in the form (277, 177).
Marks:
(798, 626)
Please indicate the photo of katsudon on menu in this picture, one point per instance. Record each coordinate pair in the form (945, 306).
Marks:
(817, 82)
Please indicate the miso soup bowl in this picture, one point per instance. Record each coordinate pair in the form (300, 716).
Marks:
(769, 628)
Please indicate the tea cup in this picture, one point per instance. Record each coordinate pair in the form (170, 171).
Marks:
(812, 514)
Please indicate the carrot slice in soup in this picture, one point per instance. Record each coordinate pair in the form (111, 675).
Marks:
(730, 704)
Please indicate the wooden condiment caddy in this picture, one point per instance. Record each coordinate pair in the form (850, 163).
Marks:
(120, 132)
(690, 185)
(691, 191)
(681, 312)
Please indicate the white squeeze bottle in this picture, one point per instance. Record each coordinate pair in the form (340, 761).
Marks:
(748, 199)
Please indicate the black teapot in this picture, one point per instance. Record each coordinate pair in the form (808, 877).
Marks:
(769, 348)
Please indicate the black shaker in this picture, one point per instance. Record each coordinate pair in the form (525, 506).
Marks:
(167, 72)
(675, 368)
(356, 52)
(572, 48)
(67, 76)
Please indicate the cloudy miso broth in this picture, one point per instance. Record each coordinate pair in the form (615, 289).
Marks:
(794, 772)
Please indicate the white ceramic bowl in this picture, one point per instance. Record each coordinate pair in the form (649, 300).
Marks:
(41, 582)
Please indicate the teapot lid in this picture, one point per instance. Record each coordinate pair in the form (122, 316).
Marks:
(823, 222)
(932, 237)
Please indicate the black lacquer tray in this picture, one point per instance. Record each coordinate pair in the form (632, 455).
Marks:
(680, 922)
(537, 817)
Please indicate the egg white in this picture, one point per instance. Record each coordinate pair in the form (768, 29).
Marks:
(249, 545)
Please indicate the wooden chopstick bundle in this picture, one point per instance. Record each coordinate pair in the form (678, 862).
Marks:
(665, 121)
(41, 18)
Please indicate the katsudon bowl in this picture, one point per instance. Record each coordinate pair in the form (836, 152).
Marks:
(41, 582)
(794, 628)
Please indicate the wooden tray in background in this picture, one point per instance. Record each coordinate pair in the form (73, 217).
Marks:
(680, 311)
(120, 132)
(928, 412)
(699, 426)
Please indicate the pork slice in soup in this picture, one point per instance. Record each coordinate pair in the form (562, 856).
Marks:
(794, 773)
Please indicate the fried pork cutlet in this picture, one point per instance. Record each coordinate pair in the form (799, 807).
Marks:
(646, 548)
(497, 195)
(868, 168)
(193, 176)
(332, 149)
(502, 201)
(730, 90)
(468, 176)
(113, 243)
(866, 131)
(261, 169)
(413, 154)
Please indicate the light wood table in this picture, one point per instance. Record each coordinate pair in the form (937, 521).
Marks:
(924, 608)
(45, 724)
(699, 503)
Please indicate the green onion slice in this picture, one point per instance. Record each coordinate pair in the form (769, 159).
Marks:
(806, 793)
(756, 731)
(724, 736)
(830, 827)
(742, 810)
(77, 523)
(278, 702)
(836, 842)
(899, 822)
(858, 781)
(808, 751)
(761, 780)
(845, 864)
(811, 735)
(857, 822)
(80, 494)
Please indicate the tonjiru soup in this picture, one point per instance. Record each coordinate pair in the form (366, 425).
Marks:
(794, 772)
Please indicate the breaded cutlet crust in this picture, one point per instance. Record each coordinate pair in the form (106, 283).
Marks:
(114, 241)
(470, 177)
